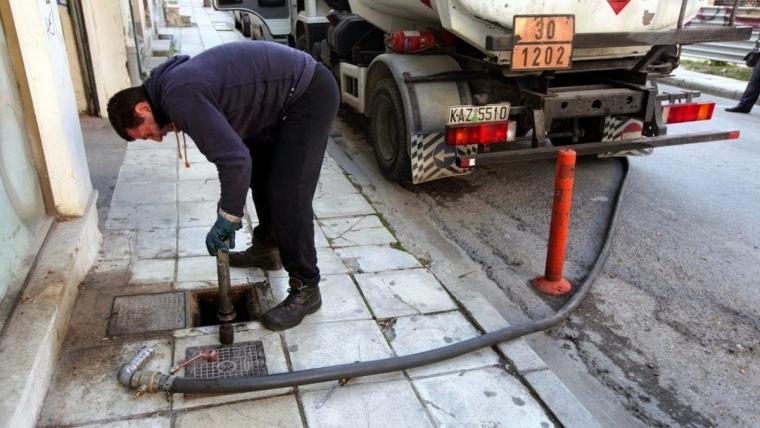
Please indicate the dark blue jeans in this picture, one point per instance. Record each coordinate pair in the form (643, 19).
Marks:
(752, 92)
(286, 167)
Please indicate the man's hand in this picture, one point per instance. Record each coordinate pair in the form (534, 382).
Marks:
(223, 229)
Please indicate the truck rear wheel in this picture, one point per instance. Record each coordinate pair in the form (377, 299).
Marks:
(388, 131)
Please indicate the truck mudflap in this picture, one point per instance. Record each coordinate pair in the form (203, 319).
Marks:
(603, 147)
(432, 158)
(619, 128)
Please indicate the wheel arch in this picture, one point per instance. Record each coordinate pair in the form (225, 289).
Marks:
(425, 104)
(426, 108)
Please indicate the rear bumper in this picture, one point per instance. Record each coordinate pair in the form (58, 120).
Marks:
(607, 147)
(684, 36)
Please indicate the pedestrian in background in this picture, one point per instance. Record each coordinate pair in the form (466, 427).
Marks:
(751, 93)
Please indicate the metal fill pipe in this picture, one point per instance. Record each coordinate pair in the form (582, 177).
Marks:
(226, 312)
(367, 368)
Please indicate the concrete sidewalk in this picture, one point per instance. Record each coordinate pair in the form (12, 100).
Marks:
(706, 83)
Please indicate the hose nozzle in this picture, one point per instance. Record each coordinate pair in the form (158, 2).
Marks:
(143, 381)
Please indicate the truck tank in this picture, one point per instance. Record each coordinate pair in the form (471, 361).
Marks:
(472, 20)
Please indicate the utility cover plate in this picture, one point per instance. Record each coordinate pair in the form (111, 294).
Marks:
(238, 359)
(147, 312)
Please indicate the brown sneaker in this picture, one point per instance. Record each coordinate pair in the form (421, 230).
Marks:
(301, 301)
(258, 255)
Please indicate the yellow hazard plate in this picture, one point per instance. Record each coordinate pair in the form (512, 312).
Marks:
(543, 42)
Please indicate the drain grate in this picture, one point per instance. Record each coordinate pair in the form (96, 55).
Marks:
(147, 312)
(238, 359)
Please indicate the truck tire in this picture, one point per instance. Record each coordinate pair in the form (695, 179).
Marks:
(388, 131)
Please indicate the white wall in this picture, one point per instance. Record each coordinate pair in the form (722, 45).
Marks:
(55, 107)
(74, 66)
(109, 35)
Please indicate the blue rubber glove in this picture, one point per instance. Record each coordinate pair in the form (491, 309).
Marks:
(223, 229)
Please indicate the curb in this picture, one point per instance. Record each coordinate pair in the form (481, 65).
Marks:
(702, 87)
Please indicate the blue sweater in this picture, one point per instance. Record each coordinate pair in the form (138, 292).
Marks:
(224, 95)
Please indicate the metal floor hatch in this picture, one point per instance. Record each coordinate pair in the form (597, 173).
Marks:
(147, 312)
(238, 359)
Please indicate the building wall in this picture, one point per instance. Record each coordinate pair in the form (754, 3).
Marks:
(22, 208)
(109, 34)
(46, 68)
(75, 68)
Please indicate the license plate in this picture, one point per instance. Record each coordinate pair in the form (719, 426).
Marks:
(543, 42)
(460, 115)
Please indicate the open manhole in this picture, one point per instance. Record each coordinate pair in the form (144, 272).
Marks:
(204, 305)
(147, 312)
(238, 359)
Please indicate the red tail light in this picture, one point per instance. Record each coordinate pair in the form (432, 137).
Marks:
(691, 112)
(410, 41)
(482, 133)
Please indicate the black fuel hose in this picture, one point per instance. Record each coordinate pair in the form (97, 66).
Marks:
(367, 368)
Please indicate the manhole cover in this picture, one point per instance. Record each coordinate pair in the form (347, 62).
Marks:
(238, 359)
(147, 312)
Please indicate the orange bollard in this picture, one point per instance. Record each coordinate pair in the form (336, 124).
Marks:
(552, 282)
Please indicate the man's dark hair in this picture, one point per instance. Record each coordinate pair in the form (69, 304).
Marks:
(121, 110)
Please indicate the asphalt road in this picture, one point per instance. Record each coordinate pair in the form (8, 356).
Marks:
(670, 334)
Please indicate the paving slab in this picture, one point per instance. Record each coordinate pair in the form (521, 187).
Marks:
(156, 244)
(383, 404)
(404, 292)
(408, 335)
(200, 272)
(85, 387)
(198, 190)
(157, 158)
(352, 204)
(107, 274)
(356, 231)
(117, 245)
(376, 258)
(214, 329)
(193, 214)
(320, 240)
(341, 300)
(152, 271)
(329, 166)
(327, 344)
(145, 193)
(275, 360)
(195, 156)
(137, 173)
(488, 397)
(563, 403)
(197, 171)
(270, 412)
(334, 184)
(151, 145)
(142, 216)
(153, 422)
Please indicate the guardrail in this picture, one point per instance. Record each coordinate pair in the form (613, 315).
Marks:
(725, 51)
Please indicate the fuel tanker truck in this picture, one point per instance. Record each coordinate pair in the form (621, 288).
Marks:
(448, 85)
